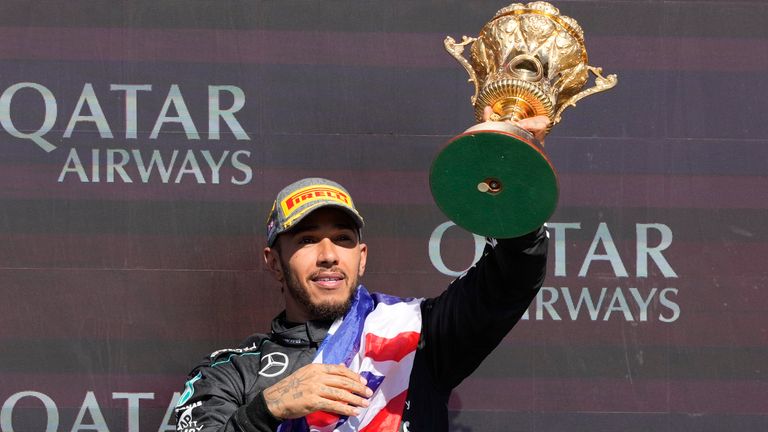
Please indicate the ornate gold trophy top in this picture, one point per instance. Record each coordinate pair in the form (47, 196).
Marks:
(495, 179)
(528, 60)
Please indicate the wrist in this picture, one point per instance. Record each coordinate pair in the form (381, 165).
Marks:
(258, 411)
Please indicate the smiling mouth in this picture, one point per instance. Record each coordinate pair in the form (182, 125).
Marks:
(328, 280)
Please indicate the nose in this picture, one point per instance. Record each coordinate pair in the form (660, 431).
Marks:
(326, 254)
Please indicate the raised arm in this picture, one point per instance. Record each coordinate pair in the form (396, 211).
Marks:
(467, 321)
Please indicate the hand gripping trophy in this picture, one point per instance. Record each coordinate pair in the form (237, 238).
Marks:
(529, 60)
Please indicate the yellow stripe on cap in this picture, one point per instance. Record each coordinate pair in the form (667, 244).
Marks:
(310, 194)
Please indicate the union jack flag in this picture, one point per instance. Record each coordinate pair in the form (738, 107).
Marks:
(377, 338)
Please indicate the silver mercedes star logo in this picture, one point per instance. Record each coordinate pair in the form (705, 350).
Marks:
(276, 363)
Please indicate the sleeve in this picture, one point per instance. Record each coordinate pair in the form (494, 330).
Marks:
(468, 320)
(215, 399)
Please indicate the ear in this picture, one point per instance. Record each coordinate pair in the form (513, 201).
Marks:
(363, 258)
(272, 261)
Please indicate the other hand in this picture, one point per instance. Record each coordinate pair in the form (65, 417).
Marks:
(318, 387)
(536, 125)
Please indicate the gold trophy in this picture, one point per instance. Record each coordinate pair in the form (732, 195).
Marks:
(495, 179)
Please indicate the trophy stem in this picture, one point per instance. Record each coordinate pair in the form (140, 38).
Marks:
(514, 109)
(513, 99)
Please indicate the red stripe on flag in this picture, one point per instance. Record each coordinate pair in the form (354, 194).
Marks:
(388, 419)
(383, 349)
(321, 419)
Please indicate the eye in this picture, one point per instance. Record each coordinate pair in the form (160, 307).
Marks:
(306, 240)
(345, 238)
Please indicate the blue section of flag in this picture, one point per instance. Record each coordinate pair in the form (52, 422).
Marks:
(344, 343)
(389, 299)
(374, 380)
(341, 346)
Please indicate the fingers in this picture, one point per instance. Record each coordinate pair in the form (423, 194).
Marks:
(340, 400)
(487, 113)
(348, 385)
(343, 396)
(342, 370)
(335, 407)
(342, 391)
(538, 126)
(534, 124)
(351, 380)
(318, 387)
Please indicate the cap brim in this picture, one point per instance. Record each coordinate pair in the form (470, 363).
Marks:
(355, 216)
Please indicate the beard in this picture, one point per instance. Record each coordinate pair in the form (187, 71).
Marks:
(318, 311)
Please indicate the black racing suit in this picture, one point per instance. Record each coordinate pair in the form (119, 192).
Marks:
(460, 328)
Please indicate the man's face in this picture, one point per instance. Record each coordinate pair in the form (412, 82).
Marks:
(318, 263)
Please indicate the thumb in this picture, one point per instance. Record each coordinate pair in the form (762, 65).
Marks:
(487, 113)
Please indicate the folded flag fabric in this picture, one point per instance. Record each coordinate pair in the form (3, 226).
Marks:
(376, 338)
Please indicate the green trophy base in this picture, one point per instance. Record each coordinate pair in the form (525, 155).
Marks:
(495, 183)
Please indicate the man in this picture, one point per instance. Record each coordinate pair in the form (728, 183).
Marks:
(340, 358)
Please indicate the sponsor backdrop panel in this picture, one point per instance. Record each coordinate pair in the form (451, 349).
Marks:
(141, 144)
